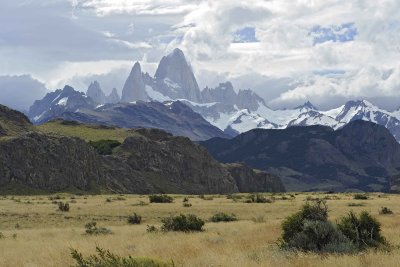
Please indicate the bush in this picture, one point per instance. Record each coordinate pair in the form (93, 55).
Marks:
(105, 258)
(385, 210)
(182, 223)
(361, 196)
(185, 199)
(223, 217)
(64, 207)
(134, 219)
(294, 223)
(364, 231)
(160, 199)
(257, 198)
(104, 147)
(151, 229)
(320, 237)
(187, 205)
(310, 230)
(92, 229)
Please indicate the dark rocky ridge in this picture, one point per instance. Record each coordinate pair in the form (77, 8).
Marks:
(360, 156)
(151, 161)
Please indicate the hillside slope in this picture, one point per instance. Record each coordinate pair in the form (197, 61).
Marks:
(360, 156)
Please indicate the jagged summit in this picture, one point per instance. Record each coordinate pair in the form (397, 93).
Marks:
(113, 97)
(134, 88)
(175, 77)
(95, 93)
(307, 105)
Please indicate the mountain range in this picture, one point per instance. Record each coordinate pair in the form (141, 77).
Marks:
(359, 156)
(231, 111)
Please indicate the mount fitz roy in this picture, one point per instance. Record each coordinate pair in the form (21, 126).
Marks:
(226, 112)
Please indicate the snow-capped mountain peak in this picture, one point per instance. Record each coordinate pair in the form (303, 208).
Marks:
(307, 106)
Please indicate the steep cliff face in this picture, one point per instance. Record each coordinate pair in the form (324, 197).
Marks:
(49, 163)
(177, 165)
(252, 180)
(175, 77)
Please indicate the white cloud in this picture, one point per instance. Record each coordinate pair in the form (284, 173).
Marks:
(285, 66)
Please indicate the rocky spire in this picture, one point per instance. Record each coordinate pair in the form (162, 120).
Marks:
(175, 76)
(113, 97)
(134, 88)
(95, 93)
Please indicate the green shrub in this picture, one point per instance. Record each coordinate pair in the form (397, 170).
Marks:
(293, 224)
(160, 199)
(185, 200)
(151, 229)
(105, 258)
(104, 147)
(385, 210)
(64, 207)
(361, 196)
(187, 205)
(223, 217)
(363, 230)
(92, 229)
(184, 223)
(321, 237)
(258, 198)
(134, 219)
(310, 230)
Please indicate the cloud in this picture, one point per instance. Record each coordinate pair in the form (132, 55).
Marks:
(19, 92)
(289, 51)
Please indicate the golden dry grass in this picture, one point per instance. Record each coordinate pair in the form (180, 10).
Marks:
(44, 236)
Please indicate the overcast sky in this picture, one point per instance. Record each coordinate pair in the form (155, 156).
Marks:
(325, 51)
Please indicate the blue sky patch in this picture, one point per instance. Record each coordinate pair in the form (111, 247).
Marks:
(245, 35)
(335, 33)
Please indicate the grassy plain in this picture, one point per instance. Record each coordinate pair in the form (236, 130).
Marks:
(35, 233)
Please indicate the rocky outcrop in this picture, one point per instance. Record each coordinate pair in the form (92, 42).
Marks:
(134, 88)
(49, 163)
(252, 180)
(95, 93)
(360, 156)
(175, 164)
(13, 122)
(113, 97)
(224, 93)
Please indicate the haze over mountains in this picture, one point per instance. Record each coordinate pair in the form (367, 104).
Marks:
(232, 111)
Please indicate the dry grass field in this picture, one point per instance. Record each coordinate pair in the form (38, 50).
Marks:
(35, 233)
